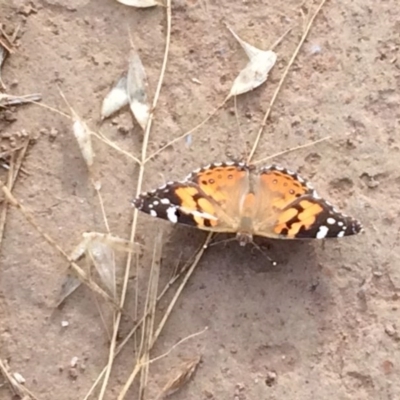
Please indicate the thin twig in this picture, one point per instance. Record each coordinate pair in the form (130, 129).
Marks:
(161, 325)
(135, 213)
(282, 80)
(103, 211)
(111, 144)
(199, 125)
(178, 344)
(303, 146)
(3, 216)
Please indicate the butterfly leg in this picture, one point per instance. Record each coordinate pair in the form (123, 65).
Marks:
(256, 246)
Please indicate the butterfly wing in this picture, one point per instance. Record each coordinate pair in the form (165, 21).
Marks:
(290, 208)
(209, 198)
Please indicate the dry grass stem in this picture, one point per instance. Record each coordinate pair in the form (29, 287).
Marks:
(112, 349)
(282, 80)
(199, 125)
(303, 146)
(3, 215)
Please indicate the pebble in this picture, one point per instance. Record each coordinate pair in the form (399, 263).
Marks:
(53, 134)
(270, 379)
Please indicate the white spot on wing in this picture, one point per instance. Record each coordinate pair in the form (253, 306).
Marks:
(279, 168)
(201, 214)
(322, 232)
(153, 213)
(340, 234)
(165, 201)
(309, 185)
(171, 214)
(340, 223)
(331, 221)
(315, 195)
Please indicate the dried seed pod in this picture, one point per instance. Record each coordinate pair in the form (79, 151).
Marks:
(255, 73)
(180, 377)
(116, 98)
(137, 89)
(83, 137)
(139, 3)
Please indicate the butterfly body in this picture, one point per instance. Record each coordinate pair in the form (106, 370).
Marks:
(236, 198)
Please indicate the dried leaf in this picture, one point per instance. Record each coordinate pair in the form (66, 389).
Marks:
(137, 87)
(139, 3)
(116, 98)
(83, 137)
(256, 71)
(70, 284)
(180, 378)
(97, 246)
(104, 260)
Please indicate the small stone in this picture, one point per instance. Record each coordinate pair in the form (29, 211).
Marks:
(296, 120)
(53, 134)
(64, 324)
(9, 116)
(270, 379)
(44, 131)
(390, 330)
(74, 362)
(123, 130)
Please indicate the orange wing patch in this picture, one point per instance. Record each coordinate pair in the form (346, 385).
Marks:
(287, 185)
(217, 181)
(302, 215)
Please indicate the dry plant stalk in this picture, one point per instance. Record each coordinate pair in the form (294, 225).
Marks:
(146, 137)
(13, 172)
(180, 377)
(150, 311)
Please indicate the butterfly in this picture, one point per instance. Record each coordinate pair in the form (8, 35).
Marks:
(234, 197)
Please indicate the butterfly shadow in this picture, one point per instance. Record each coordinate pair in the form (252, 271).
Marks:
(296, 259)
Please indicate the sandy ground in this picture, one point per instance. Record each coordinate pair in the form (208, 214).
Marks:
(323, 324)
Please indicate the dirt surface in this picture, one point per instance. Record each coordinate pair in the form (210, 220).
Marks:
(323, 323)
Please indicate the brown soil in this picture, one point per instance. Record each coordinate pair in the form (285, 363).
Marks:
(323, 324)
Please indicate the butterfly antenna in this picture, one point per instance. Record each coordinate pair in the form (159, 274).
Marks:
(273, 262)
(225, 241)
